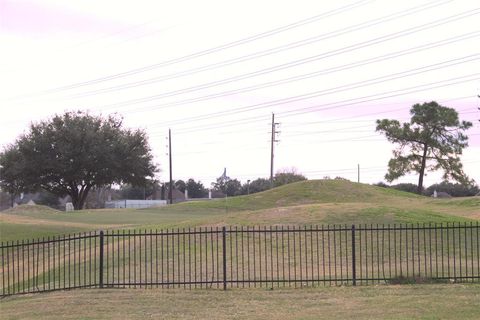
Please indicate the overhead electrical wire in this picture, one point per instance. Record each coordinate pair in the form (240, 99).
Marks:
(327, 54)
(349, 102)
(217, 48)
(258, 54)
(332, 90)
(283, 81)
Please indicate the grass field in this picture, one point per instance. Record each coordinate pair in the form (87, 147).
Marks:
(309, 202)
(304, 203)
(383, 302)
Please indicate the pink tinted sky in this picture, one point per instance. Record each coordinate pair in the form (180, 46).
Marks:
(32, 19)
(53, 44)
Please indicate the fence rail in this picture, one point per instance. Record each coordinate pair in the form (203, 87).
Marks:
(243, 257)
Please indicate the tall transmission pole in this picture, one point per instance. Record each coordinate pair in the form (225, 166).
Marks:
(170, 188)
(273, 140)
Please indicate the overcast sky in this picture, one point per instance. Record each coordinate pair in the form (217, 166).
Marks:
(215, 71)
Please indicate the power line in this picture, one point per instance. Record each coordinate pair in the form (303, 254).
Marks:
(217, 48)
(414, 89)
(258, 54)
(327, 54)
(263, 118)
(322, 92)
(283, 81)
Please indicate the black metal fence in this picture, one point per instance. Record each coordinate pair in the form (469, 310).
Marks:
(243, 257)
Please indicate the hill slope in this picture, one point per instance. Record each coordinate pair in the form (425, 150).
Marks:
(306, 202)
(306, 193)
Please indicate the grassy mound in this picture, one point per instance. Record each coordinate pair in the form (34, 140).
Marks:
(307, 192)
(35, 209)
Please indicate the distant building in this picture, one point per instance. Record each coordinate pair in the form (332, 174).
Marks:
(441, 194)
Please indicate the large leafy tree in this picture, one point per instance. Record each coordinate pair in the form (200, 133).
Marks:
(70, 154)
(180, 185)
(11, 166)
(228, 186)
(196, 189)
(432, 140)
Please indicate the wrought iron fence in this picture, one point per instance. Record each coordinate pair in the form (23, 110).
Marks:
(243, 257)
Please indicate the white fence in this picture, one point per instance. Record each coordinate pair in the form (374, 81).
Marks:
(136, 204)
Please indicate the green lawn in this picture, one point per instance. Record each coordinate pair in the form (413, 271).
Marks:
(304, 203)
(454, 301)
(307, 202)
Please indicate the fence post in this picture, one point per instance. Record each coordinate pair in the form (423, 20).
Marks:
(101, 260)
(224, 245)
(354, 262)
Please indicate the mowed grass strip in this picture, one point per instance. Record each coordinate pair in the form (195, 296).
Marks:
(456, 301)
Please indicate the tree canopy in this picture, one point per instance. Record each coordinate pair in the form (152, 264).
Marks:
(228, 186)
(70, 154)
(286, 176)
(141, 192)
(432, 140)
(454, 189)
(257, 185)
(196, 189)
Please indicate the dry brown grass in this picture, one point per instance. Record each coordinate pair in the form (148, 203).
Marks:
(16, 219)
(381, 302)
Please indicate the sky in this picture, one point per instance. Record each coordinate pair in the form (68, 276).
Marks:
(214, 72)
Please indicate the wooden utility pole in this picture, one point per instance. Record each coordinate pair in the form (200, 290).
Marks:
(170, 187)
(358, 173)
(274, 132)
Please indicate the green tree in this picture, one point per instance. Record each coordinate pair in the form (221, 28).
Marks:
(129, 191)
(180, 185)
(74, 152)
(228, 186)
(47, 199)
(453, 189)
(287, 176)
(407, 187)
(196, 189)
(432, 140)
(257, 185)
(11, 166)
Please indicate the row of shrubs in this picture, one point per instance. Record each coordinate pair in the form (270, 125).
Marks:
(453, 189)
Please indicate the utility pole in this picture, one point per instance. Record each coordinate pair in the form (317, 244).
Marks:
(274, 132)
(170, 188)
(358, 172)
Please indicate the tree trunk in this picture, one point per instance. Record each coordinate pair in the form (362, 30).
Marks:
(422, 170)
(79, 196)
(75, 201)
(83, 196)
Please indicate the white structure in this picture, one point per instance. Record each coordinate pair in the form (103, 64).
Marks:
(135, 204)
(69, 206)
